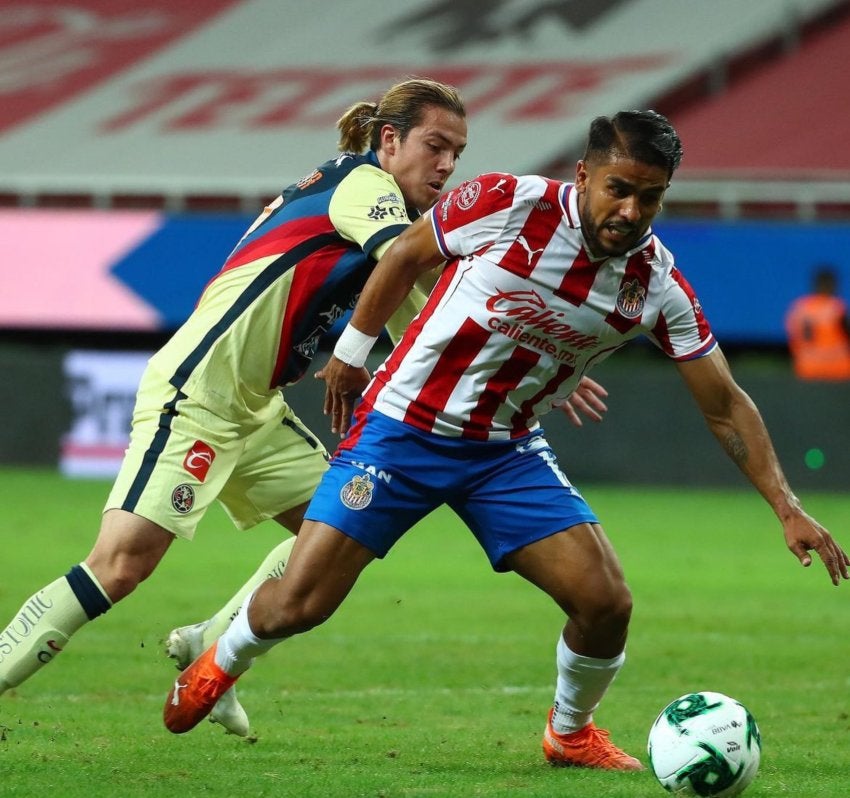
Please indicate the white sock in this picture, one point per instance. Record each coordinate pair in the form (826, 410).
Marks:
(238, 646)
(582, 682)
(271, 568)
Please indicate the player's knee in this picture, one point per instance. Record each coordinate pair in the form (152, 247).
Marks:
(294, 615)
(619, 611)
(118, 577)
(608, 610)
(118, 585)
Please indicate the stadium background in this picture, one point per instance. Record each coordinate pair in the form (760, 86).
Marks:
(137, 141)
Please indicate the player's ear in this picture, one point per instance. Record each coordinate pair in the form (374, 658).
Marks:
(389, 139)
(581, 176)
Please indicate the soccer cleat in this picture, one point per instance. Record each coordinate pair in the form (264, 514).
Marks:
(589, 747)
(195, 692)
(186, 644)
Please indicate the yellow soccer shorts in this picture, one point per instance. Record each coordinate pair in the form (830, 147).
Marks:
(182, 457)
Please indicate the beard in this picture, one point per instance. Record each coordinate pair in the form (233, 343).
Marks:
(596, 247)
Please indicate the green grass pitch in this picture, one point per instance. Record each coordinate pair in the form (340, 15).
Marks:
(435, 677)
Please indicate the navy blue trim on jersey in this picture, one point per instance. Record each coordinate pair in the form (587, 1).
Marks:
(151, 456)
(344, 270)
(331, 172)
(337, 168)
(257, 287)
(384, 234)
(321, 310)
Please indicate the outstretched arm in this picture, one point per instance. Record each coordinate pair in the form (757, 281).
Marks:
(737, 424)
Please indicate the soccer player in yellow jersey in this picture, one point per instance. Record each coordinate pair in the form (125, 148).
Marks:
(210, 420)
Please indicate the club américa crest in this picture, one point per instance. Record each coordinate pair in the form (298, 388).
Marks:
(357, 494)
(183, 498)
(631, 299)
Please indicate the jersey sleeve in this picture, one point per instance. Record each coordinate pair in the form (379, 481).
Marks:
(368, 208)
(682, 330)
(470, 218)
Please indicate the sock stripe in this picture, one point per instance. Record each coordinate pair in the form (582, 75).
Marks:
(87, 591)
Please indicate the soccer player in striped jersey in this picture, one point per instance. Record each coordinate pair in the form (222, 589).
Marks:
(543, 280)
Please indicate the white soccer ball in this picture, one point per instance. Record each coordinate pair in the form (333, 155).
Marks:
(705, 744)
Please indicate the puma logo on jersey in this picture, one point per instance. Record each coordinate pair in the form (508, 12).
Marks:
(521, 240)
(498, 186)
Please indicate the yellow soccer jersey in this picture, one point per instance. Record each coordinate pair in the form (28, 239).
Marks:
(295, 272)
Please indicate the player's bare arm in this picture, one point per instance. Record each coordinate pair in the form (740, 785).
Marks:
(737, 424)
(413, 253)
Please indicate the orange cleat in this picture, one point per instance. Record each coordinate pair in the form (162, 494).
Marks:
(589, 747)
(196, 691)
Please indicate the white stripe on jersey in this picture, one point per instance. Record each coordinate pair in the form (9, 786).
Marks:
(521, 312)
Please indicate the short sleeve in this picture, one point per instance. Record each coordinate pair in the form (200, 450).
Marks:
(471, 217)
(368, 208)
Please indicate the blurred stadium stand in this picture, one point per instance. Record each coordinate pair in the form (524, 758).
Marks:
(219, 104)
(138, 139)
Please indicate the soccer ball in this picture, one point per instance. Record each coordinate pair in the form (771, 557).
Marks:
(705, 744)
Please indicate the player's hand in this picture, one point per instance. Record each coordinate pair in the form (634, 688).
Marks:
(343, 386)
(803, 534)
(587, 400)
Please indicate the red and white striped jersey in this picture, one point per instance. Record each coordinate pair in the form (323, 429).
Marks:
(522, 311)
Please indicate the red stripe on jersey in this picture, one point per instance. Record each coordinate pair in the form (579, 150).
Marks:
(536, 233)
(487, 194)
(702, 322)
(506, 379)
(578, 279)
(493, 192)
(662, 334)
(278, 239)
(391, 364)
(307, 278)
(519, 422)
(633, 289)
(445, 375)
(660, 330)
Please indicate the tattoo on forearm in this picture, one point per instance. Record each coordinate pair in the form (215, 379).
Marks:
(736, 448)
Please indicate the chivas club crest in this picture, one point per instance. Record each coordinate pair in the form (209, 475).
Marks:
(183, 498)
(467, 195)
(631, 299)
(357, 493)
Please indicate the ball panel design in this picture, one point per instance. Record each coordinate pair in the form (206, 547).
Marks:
(705, 744)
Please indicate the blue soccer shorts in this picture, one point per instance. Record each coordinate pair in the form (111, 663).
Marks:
(509, 493)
